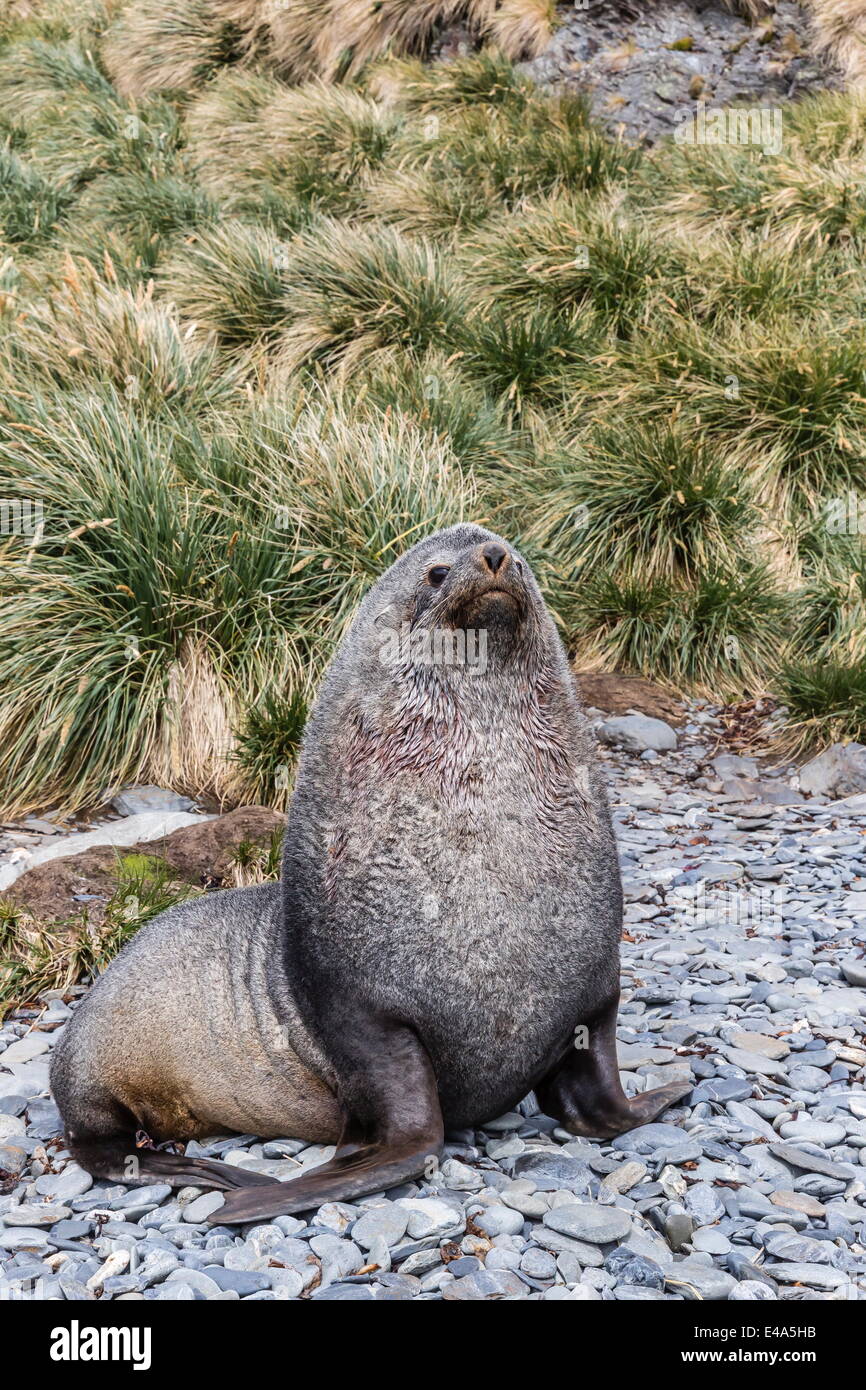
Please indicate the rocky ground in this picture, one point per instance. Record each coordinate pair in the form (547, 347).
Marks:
(644, 66)
(742, 970)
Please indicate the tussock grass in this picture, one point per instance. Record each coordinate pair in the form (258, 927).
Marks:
(358, 290)
(252, 863)
(657, 496)
(421, 202)
(231, 281)
(155, 45)
(792, 386)
(522, 28)
(826, 702)
(518, 152)
(745, 277)
(36, 75)
(830, 125)
(563, 253)
(434, 393)
(717, 635)
(535, 359)
(795, 200)
(357, 492)
(840, 26)
(31, 206)
(89, 329)
(315, 145)
(487, 78)
(267, 745)
(142, 207)
(278, 298)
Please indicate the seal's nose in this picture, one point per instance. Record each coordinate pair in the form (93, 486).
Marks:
(494, 557)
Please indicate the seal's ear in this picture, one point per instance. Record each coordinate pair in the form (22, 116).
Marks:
(389, 616)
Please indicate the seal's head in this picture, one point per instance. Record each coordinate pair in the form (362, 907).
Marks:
(464, 580)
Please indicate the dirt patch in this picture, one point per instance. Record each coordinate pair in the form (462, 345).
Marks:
(201, 854)
(617, 694)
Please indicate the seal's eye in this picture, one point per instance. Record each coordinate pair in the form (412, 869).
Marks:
(438, 575)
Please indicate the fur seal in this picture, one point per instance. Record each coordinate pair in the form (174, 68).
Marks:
(445, 937)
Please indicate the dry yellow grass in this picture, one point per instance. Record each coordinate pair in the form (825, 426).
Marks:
(522, 28)
(156, 45)
(840, 28)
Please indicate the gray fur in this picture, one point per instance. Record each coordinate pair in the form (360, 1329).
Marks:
(449, 862)
(449, 849)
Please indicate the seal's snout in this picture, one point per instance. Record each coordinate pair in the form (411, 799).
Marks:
(494, 557)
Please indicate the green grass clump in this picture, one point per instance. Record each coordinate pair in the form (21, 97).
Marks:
(547, 147)
(31, 206)
(435, 393)
(561, 254)
(826, 701)
(268, 742)
(659, 497)
(158, 46)
(89, 329)
(358, 491)
(36, 76)
(536, 359)
(254, 863)
(716, 635)
(313, 146)
(231, 281)
(486, 79)
(358, 290)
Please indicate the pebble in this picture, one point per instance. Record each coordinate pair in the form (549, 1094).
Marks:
(816, 1276)
(200, 1209)
(26, 1215)
(388, 1222)
(582, 1221)
(499, 1220)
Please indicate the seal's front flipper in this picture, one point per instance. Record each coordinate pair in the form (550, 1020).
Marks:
(584, 1091)
(393, 1132)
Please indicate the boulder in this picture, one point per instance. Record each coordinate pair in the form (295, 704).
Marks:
(200, 853)
(839, 771)
(637, 732)
(132, 801)
(732, 765)
(131, 831)
(770, 793)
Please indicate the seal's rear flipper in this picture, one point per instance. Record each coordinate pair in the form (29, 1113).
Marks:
(100, 1132)
(584, 1091)
(179, 1171)
(351, 1173)
(393, 1130)
(118, 1160)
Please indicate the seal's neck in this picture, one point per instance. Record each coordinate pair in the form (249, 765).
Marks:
(461, 733)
